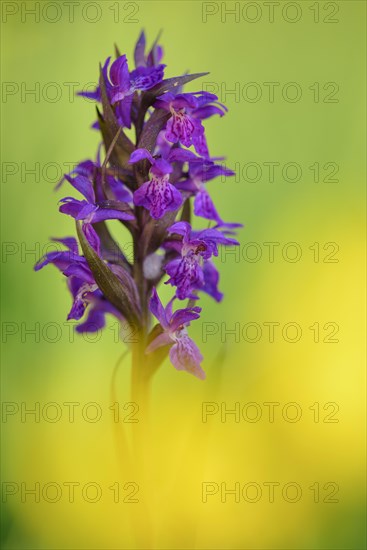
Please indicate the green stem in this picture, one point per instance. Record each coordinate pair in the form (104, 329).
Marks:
(140, 394)
(140, 380)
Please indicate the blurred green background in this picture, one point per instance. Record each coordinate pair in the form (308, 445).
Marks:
(319, 47)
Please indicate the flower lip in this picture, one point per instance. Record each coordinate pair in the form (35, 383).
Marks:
(183, 353)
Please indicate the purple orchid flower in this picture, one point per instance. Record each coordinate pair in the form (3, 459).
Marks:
(155, 200)
(184, 353)
(89, 211)
(187, 272)
(211, 280)
(158, 195)
(82, 285)
(121, 84)
(92, 170)
(153, 58)
(188, 110)
(200, 172)
(124, 84)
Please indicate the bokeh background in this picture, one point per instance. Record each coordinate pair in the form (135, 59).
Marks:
(319, 450)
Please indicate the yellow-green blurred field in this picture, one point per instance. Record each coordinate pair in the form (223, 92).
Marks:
(310, 214)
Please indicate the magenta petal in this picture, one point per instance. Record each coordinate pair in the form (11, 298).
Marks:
(61, 260)
(184, 317)
(182, 228)
(186, 274)
(199, 140)
(123, 111)
(139, 52)
(208, 111)
(81, 301)
(79, 270)
(119, 73)
(121, 193)
(92, 237)
(184, 101)
(144, 78)
(103, 214)
(180, 127)
(204, 207)
(182, 155)
(83, 185)
(156, 307)
(185, 355)
(95, 321)
(72, 207)
(211, 279)
(140, 154)
(86, 212)
(70, 242)
(158, 196)
(163, 339)
(141, 194)
(160, 168)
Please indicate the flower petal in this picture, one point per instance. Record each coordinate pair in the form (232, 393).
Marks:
(103, 214)
(70, 242)
(158, 196)
(184, 317)
(92, 237)
(180, 127)
(119, 190)
(185, 355)
(72, 207)
(83, 185)
(144, 78)
(163, 339)
(204, 206)
(141, 154)
(156, 307)
(186, 274)
(61, 260)
(119, 73)
(95, 322)
(182, 228)
(139, 52)
(211, 279)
